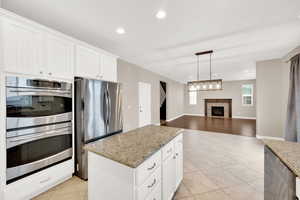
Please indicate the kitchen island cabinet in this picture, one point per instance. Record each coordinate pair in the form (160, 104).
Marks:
(142, 164)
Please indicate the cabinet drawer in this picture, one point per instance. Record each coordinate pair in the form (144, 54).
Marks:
(33, 185)
(168, 150)
(156, 194)
(149, 185)
(148, 167)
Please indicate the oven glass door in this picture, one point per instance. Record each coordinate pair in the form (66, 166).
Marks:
(37, 106)
(31, 156)
(24, 110)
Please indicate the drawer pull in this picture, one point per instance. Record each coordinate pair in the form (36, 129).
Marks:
(177, 154)
(154, 165)
(44, 181)
(150, 186)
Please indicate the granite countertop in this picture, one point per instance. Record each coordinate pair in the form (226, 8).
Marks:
(287, 152)
(134, 147)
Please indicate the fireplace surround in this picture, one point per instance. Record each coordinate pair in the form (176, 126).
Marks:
(218, 108)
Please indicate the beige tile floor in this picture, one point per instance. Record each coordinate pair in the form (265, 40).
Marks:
(216, 167)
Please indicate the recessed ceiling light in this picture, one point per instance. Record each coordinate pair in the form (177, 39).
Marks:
(120, 31)
(161, 14)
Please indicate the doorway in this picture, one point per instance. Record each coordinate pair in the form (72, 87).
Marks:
(163, 102)
(144, 104)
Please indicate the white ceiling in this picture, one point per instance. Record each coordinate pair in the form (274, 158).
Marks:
(240, 32)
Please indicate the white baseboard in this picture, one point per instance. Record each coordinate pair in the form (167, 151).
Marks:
(190, 114)
(269, 137)
(202, 115)
(174, 117)
(242, 117)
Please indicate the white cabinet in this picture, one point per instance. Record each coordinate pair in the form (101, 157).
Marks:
(91, 63)
(298, 187)
(88, 62)
(178, 143)
(168, 178)
(39, 182)
(22, 48)
(28, 50)
(157, 178)
(172, 167)
(109, 68)
(59, 57)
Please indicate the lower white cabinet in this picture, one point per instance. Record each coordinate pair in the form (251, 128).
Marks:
(172, 168)
(169, 173)
(28, 187)
(298, 187)
(157, 178)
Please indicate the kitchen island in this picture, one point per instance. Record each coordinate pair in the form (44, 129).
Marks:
(282, 170)
(142, 164)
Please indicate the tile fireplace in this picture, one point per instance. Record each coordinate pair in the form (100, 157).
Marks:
(218, 108)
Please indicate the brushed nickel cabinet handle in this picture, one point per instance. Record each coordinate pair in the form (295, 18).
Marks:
(46, 180)
(150, 186)
(153, 166)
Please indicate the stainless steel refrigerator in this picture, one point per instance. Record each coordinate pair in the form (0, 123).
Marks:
(98, 114)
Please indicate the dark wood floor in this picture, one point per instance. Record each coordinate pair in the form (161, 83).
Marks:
(244, 127)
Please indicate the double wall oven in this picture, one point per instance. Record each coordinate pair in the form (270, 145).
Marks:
(38, 125)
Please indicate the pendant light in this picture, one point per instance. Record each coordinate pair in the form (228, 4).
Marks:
(205, 85)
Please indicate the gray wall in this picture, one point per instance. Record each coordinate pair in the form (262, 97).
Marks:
(231, 90)
(272, 83)
(129, 75)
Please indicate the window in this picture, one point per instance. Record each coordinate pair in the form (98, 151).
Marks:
(193, 98)
(247, 95)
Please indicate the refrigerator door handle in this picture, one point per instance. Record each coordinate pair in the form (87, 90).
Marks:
(105, 107)
(109, 107)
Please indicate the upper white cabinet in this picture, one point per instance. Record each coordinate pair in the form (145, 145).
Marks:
(88, 62)
(22, 48)
(91, 63)
(109, 68)
(59, 57)
(31, 49)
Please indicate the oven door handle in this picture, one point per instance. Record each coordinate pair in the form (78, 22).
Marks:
(12, 142)
(18, 92)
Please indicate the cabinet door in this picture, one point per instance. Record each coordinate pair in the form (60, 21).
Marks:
(87, 62)
(22, 48)
(109, 68)
(168, 178)
(179, 160)
(59, 57)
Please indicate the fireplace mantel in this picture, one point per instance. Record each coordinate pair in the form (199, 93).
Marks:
(219, 102)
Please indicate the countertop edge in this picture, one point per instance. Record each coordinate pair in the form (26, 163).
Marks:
(87, 148)
(280, 155)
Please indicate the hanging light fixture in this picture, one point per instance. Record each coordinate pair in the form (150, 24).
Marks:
(205, 85)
